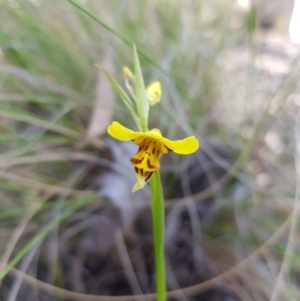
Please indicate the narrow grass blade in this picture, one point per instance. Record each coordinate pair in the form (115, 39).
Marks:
(115, 33)
(32, 119)
(51, 225)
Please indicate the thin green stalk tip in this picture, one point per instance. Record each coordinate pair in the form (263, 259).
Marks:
(142, 104)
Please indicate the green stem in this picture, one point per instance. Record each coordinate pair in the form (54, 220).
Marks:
(158, 219)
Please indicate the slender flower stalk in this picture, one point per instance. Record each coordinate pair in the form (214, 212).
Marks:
(146, 161)
(158, 221)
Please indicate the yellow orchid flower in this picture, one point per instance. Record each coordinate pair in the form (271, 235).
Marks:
(154, 93)
(151, 145)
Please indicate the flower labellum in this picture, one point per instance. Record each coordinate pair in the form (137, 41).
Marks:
(151, 145)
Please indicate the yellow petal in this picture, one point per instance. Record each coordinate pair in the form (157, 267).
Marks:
(120, 132)
(184, 147)
(151, 162)
(154, 92)
(138, 159)
(154, 133)
(137, 186)
(140, 180)
(143, 177)
(147, 157)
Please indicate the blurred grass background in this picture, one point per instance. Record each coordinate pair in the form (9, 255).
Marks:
(226, 78)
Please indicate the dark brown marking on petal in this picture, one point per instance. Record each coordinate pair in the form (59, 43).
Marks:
(148, 176)
(153, 150)
(149, 164)
(136, 169)
(136, 161)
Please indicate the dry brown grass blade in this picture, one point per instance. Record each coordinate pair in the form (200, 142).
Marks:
(16, 234)
(188, 291)
(104, 102)
(127, 265)
(41, 186)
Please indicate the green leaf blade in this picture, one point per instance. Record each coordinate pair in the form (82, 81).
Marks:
(126, 99)
(140, 93)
